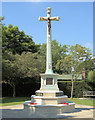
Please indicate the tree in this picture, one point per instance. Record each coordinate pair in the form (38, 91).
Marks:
(16, 45)
(87, 64)
(91, 76)
(43, 54)
(30, 64)
(72, 87)
(11, 74)
(16, 68)
(90, 80)
(58, 52)
(17, 41)
(1, 18)
(72, 59)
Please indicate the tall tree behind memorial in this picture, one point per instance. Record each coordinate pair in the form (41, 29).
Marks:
(73, 58)
(58, 52)
(14, 43)
(17, 41)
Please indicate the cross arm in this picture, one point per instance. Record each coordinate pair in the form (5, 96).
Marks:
(42, 18)
(55, 18)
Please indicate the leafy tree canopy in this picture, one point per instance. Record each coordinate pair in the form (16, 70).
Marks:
(73, 58)
(17, 41)
(91, 76)
(58, 52)
(15, 68)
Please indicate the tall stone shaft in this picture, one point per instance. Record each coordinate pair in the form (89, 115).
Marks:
(49, 50)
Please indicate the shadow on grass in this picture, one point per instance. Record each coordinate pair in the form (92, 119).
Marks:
(17, 99)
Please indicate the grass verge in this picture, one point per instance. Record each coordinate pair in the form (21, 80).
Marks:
(6, 101)
(83, 101)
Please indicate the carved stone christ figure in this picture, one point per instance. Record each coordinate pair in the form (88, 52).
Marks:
(49, 25)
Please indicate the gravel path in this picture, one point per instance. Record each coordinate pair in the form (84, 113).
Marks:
(81, 111)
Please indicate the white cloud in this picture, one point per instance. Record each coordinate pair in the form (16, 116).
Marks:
(88, 45)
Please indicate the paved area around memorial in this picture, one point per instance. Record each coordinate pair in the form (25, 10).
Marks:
(81, 111)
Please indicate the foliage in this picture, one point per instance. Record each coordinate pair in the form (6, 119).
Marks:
(16, 41)
(30, 64)
(1, 18)
(87, 64)
(91, 76)
(58, 52)
(79, 87)
(72, 59)
(91, 80)
(10, 72)
(43, 54)
(25, 88)
(16, 45)
(0, 41)
(18, 67)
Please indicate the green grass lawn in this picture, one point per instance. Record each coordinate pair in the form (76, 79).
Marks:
(82, 101)
(6, 101)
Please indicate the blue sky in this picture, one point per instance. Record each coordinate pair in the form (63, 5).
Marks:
(75, 25)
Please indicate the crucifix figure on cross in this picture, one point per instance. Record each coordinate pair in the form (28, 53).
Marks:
(49, 25)
(49, 54)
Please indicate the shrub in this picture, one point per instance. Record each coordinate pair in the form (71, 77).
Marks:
(79, 87)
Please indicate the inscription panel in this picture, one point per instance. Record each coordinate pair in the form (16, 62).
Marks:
(59, 94)
(39, 94)
(49, 81)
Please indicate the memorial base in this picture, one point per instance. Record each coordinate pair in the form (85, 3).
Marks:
(49, 101)
(48, 111)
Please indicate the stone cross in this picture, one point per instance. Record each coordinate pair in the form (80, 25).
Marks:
(49, 53)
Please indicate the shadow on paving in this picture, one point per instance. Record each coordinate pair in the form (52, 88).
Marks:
(21, 113)
(80, 109)
(47, 119)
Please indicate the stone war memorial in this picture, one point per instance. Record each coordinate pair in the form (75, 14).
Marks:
(49, 101)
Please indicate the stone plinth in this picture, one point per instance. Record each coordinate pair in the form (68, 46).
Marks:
(49, 93)
(49, 82)
(41, 100)
(49, 98)
(48, 110)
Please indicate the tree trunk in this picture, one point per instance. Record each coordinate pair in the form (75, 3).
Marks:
(14, 93)
(72, 87)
